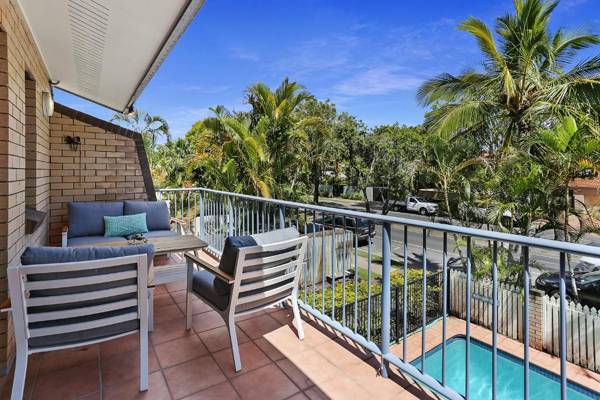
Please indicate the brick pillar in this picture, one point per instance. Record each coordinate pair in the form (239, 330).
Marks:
(536, 318)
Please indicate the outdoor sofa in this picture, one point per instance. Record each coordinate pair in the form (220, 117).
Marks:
(86, 220)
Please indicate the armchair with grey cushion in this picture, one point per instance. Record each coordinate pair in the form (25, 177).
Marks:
(254, 272)
(86, 220)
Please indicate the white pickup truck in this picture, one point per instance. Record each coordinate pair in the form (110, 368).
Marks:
(417, 204)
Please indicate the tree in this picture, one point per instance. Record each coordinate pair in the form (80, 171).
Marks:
(151, 127)
(231, 154)
(528, 79)
(395, 154)
(569, 152)
(246, 147)
(448, 161)
(321, 148)
(169, 164)
(283, 137)
(351, 136)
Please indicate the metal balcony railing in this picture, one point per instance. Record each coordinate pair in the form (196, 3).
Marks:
(349, 248)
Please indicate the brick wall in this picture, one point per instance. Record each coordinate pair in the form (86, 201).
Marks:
(110, 164)
(536, 318)
(19, 59)
(37, 169)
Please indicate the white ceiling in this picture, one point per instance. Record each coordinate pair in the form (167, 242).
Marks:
(106, 50)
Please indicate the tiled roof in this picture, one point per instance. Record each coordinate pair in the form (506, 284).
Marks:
(579, 183)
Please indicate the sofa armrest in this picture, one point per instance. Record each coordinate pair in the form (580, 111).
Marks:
(64, 236)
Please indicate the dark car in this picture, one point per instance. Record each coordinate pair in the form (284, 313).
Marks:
(587, 283)
(363, 228)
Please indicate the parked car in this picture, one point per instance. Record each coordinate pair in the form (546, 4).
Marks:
(587, 283)
(417, 204)
(363, 228)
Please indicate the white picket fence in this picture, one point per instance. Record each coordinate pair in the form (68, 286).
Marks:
(583, 323)
(583, 333)
(510, 304)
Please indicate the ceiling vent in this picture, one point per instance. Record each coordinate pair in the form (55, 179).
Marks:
(88, 20)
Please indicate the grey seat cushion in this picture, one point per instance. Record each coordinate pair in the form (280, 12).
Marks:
(160, 233)
(87, 218)
(53, 255)
(48, 255)
(91, 240)
(234, 243)
(203, 283)
(157, 213)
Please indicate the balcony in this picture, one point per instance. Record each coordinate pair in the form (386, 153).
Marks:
(197, 364)
(397, 324)
(367, 345)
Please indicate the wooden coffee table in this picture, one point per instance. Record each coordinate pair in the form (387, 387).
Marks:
(162, 244)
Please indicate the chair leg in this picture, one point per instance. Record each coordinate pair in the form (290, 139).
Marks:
(20, 374)
(188, 310)
(235, 350)
(143, 358)
(150, 309)
(297, 319)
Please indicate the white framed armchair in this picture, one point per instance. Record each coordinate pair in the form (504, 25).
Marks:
(254, 272)
(64, 298)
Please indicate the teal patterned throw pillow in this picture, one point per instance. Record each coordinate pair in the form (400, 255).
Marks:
(125, 225)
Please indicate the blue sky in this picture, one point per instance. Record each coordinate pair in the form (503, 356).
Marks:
(367, 57)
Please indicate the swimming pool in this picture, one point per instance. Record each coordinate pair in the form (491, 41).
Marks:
(543, 385)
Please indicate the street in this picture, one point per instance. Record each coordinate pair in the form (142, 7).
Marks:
(541, 260)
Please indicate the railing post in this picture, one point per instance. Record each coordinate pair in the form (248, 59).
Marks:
(281, 218)
(229, 216)
(202, 229)
(386, 296)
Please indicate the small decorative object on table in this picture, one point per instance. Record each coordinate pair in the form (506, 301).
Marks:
(137, 238)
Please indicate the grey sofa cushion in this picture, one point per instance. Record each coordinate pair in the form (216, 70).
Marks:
(234, 243)
(157, 213)
(53, 255)
(91, 240)
(203, 283)
(87, 218)
(46, 255)
(159, 233)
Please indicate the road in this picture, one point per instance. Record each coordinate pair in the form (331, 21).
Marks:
(541, 260)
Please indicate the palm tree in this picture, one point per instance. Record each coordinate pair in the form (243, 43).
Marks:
(230, 154)
(529, 79)
(151, 127)
(247, 147)
(320, 147)
(284, 136)
(569, 152)
(446, 163)
(169, 163)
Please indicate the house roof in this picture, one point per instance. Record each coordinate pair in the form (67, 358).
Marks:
(579, 183)
(106, 50)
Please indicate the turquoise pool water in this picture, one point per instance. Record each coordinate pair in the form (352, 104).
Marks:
(543, 385)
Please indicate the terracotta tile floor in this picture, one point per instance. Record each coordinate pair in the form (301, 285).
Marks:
(197, 364)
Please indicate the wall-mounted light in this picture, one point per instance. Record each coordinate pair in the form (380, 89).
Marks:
(47, 104)
(129, 112)
(73, 141)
